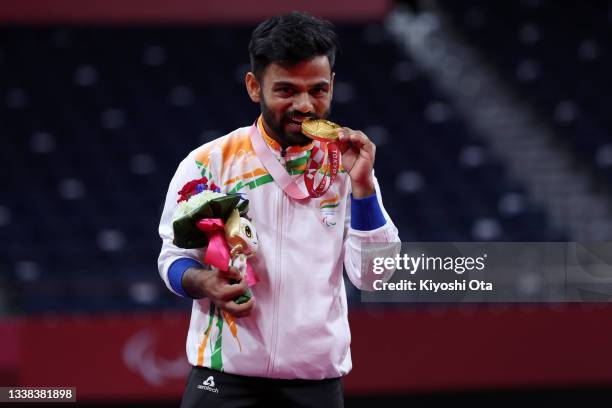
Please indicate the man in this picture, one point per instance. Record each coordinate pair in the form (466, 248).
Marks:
(289, 344)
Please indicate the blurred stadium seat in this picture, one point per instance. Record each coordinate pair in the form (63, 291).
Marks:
(558, 58)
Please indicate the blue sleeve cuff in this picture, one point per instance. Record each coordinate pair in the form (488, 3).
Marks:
(366, 214)
(176, 272)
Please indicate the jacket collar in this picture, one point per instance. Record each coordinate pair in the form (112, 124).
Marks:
(289, 151)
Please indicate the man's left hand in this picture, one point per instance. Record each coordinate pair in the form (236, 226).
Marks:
(358, 154)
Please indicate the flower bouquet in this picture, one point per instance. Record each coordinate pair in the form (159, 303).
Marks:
(205, 217)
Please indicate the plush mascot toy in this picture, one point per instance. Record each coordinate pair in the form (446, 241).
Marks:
(230, 244)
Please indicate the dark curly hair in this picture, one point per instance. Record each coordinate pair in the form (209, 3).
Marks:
(289, 39)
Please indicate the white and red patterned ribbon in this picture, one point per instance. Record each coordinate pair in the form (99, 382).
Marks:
(314, 164)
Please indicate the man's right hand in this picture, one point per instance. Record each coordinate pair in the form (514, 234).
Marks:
(215, 285)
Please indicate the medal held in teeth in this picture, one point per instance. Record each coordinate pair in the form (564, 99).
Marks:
(326, 133)
(321, 130)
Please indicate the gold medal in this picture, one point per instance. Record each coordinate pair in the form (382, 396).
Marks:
(320, 129)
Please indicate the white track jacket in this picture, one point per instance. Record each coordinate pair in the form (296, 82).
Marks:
(298, 327)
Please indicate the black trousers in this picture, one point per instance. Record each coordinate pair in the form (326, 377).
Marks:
(211, 388)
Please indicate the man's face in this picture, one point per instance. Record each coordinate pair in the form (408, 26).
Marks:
(289, 95)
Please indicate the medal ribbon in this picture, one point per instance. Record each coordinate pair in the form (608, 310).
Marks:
(315, 162)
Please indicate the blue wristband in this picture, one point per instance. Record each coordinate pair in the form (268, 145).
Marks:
(366, 214)
(176, 272)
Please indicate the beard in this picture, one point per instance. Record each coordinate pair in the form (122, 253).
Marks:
(278, 127)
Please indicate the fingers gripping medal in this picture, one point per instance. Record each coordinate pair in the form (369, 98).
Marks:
(325, 132)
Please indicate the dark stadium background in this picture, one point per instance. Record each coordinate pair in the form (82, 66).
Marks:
(492, 121)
